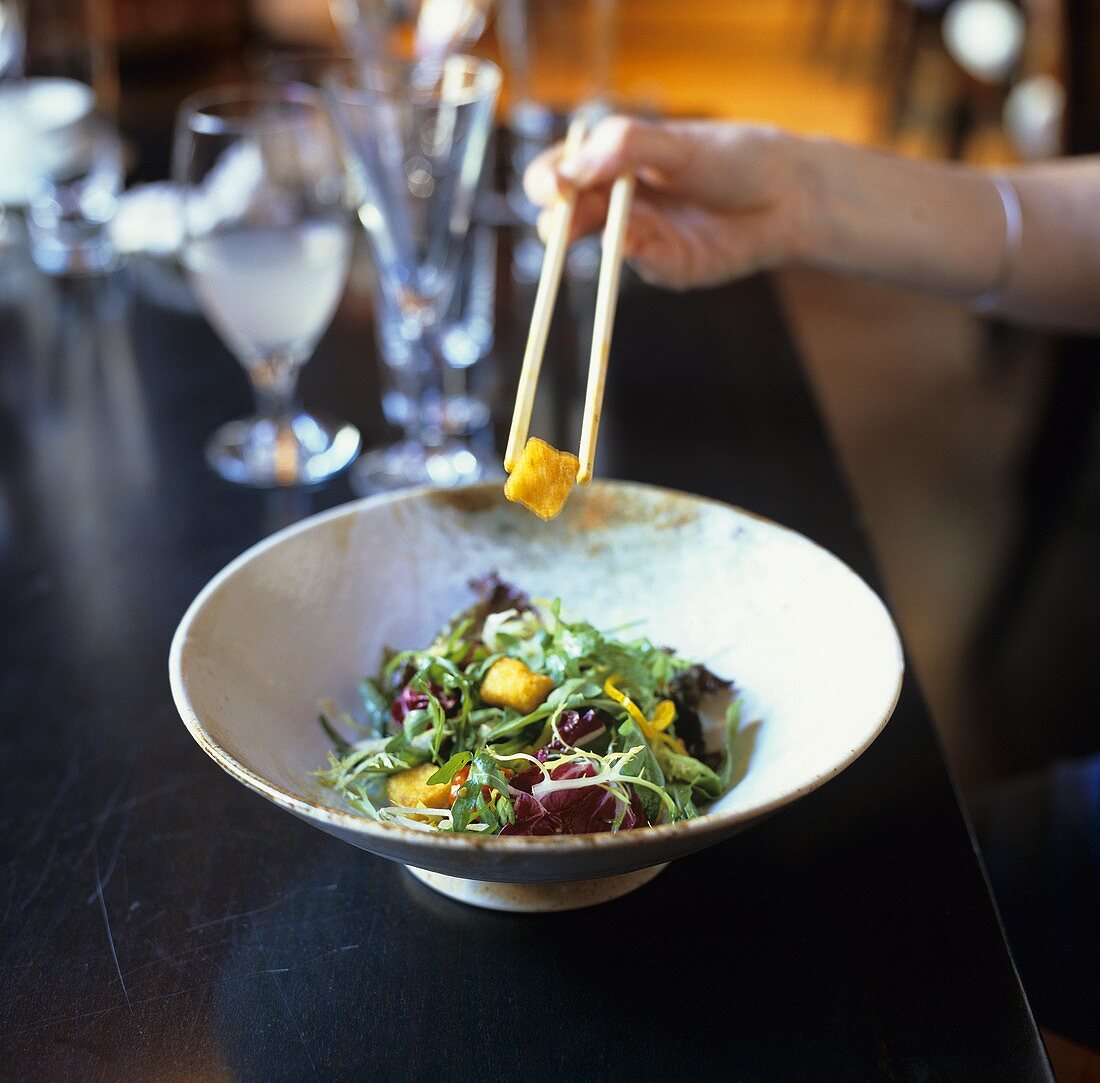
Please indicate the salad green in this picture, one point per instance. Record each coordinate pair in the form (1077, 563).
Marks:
(516, 720)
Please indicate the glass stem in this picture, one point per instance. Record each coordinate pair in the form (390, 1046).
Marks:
(415, 371)
(275, 386)
(432, 391)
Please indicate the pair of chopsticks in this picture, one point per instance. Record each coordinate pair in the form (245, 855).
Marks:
(607, 294)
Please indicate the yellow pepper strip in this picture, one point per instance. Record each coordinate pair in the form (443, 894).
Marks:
(663, 715)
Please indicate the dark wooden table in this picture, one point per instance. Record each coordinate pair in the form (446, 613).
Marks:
(161, 922)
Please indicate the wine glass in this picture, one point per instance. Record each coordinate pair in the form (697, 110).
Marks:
(11, 39)
(373, 29)
(267, 240)
(419, 131)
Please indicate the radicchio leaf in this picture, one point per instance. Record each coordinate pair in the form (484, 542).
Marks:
(495, 595)
(409, 699)
(531, 818)
(690, 686)
(588, 809)
(576, 730)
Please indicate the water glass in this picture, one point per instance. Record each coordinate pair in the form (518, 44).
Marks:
(71, 206)
(267, 239)
(60, 157)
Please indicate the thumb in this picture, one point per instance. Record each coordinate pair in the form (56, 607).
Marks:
(623, 145)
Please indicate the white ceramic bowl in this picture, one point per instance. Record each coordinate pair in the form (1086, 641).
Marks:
(307, 613)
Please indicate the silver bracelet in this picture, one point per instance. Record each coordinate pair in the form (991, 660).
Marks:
(1014, 228)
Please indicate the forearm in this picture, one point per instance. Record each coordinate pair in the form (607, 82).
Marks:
(1055, 278)
(941, 229)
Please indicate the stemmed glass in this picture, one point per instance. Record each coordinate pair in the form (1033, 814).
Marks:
(373, 29)
(419, 132)
(267, 240)
(11, 39)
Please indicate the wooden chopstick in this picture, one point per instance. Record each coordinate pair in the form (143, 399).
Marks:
(557, 242)
(607, 296)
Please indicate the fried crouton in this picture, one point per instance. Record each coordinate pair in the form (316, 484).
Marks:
(509, 683)
(542, 479)
(410, 789)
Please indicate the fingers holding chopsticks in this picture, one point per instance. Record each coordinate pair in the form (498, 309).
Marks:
(590, 214)
(616, 145)
(586, 174)
(562, 206)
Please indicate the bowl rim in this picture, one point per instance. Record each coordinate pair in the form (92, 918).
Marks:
(706, 823)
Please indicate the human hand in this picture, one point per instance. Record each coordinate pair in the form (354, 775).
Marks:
(713, 201)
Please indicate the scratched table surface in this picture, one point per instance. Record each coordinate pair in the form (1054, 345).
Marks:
(159, 921)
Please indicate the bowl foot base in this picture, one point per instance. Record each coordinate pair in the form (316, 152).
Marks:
(535, 898)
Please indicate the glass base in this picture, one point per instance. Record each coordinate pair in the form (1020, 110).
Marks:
(60, 258)
(302, 450)
(409, 463)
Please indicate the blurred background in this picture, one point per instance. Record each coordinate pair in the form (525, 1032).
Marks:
(965, 448)
(968, 444)
(972, 447)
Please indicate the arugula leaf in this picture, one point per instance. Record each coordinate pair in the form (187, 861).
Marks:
(475, 672)
(680, 792)
(444, 674)
(417, 721)
(485, 771)
(456, 646)
(439, 722)
(340, 744)
(471, 801)
(576, 649)
(464, 808)
(573, 691)
(517, 722)
(642, 764)
(487, 814)
(705, 784)
(447, 772)
(402, 746)
(375, 706)
(395, 667)
(576, 640)
(511, 746)
(733, 724)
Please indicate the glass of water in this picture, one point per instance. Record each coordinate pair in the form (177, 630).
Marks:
(72, 204)
(267, 245)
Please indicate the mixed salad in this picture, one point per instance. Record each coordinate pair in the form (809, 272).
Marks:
(517, 721)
